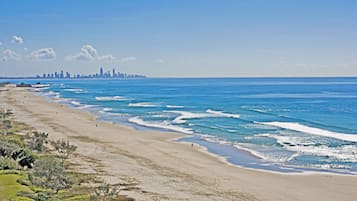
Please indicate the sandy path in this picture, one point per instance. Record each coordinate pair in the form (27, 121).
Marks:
(161, 168)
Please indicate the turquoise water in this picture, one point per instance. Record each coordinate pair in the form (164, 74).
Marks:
(283, 124)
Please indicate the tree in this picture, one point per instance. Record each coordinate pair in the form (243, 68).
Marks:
(6, 125)
(19, 156)
(64, 149)
(37, 141)
(49, 173)
(5, 113)
(105, 192)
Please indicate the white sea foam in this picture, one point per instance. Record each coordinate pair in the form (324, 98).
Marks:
(39, 89)
(106, 109)
(345, 153)
(174, 106)
(162, 125)
(76, 103)
(40, 85)
(110, 98)
(299, 95)
(52, 93)
(86, 106)
(75, 90)
(223, 114)
(311, 130)
(215, 139)
(266, 153)
(142, 104)
(329, 166)
(184, 115)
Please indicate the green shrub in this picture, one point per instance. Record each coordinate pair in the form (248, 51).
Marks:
(21, 199)
(8, 148)
(6, 126)
(17, 141)
(49, 173)
(8, 164)
(37, 141)
(64, 148)
(37, 196)
(23, 181)
(105, 192)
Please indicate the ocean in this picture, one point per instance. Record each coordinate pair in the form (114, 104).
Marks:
(277, 124)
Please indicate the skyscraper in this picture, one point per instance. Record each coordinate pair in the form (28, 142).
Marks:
(61, 74)
(114, 74)
(101, 72)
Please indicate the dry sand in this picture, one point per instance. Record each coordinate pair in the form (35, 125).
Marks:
(158, 168)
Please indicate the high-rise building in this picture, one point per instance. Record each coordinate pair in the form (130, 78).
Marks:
(114, 74)
(101, 72)
(61, 74)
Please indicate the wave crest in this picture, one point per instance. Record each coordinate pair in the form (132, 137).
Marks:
(110, 98)
(311, 130)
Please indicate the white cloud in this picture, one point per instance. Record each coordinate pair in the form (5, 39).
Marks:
(88, 53)
(10, 55)
(108, 57)
(17, 39)
(0, 43)
(43, 54)
(128, 59)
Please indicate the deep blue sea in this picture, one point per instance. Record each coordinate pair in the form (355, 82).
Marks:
(280, 124)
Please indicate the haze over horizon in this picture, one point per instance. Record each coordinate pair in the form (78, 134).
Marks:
(203, 38)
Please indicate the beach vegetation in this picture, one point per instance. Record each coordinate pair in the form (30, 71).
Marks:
(49, 173)
(29, 171)
(13, 156)
(37, 141)
(9, 187)
(105, 192)
(6, 126)
(8, 164)
(64, 148)
(5, 121)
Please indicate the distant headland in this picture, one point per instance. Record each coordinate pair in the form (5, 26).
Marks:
(113, 74)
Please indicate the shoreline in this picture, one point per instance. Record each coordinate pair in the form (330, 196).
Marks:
(236, 151)
(166, 162)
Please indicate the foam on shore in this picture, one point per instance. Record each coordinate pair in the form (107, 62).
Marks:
(76, 90)
(184, 115)
(311, 130)
(142, 104)
(163, 125)
(174, 106)
(110, 98)
(222, 114)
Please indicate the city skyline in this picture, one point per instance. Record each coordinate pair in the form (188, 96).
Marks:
(180, 38)
(112, 73)
(100, 74)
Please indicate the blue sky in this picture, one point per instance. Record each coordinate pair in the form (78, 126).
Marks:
(182, 38)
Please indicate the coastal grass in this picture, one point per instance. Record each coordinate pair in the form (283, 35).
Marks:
(15, 184)
(9, 187)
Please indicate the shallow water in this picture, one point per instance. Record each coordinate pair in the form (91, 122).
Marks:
(286, 124)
